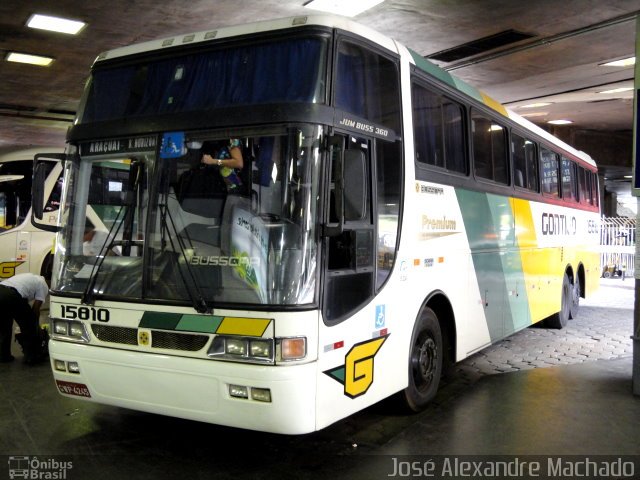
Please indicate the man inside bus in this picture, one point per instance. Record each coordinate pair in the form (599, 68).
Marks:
(16, 293)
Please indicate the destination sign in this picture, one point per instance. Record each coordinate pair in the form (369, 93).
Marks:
(118, 145)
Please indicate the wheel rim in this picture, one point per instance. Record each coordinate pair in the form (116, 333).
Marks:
(576, 293)
(424, 360)
(566, 299)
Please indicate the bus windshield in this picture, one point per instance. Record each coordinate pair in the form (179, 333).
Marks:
(181, 230)
(288, 70)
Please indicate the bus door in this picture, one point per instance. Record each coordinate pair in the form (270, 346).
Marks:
(349, 228)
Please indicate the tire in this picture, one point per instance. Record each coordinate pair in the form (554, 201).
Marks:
(47, 267)
(425, 361)
(576, 291)
(559, 320)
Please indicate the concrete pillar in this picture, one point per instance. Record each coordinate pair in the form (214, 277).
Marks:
(636, 191)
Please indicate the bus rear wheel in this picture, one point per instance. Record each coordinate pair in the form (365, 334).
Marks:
(559, 320)
(425, 361)
(576, 291)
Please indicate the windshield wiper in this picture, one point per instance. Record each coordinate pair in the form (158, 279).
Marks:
(135, 177)
(88, 296)
(195, 295)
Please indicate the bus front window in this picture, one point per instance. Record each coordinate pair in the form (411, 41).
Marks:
(103, 221)
(238, 235)
(231, 221)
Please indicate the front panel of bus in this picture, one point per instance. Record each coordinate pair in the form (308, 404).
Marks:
(240, 295)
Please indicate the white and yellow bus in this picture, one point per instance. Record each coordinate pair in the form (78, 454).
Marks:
(388, 220)
(23, 246)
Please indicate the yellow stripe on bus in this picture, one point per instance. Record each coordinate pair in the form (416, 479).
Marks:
(497, 106)
(540, 277)
(250, 327)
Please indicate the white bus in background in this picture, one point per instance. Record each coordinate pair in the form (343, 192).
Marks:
(23, 246)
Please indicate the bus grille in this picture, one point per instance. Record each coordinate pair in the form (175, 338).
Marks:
(127, 336)
(178, 341)
(167, 340)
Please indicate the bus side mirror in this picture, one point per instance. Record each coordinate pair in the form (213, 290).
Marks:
(38, 185)
(45, 167)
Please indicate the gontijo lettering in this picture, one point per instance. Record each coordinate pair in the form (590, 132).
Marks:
(557, 224)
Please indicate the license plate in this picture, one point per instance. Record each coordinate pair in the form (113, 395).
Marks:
(72, 388)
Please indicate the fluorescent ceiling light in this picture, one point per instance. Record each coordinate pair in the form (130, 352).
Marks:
(535, 114)
(55, 24)
(559, 122)
(347, 8)
(625, 62)
(535, 105)
(617, 90)
(30, 59)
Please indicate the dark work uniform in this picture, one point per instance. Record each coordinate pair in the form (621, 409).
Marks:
(13, 306)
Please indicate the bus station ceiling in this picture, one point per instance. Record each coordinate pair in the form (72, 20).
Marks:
(555, 55)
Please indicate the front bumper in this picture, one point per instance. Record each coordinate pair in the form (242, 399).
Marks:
(195, 389)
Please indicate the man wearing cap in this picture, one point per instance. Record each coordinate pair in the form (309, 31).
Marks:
(16, 293)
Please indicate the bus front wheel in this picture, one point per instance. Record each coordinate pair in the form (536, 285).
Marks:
(425, 361)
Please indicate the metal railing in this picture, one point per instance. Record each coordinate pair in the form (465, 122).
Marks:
(617, 246)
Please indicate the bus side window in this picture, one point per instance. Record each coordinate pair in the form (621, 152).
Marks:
(489, 149)
(438, 125)
(569, 180)
(525, 163)
(550, 173)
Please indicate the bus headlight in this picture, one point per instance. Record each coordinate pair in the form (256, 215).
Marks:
(70, 330)
(235, 346)
(60, 327)
(227, 347)
(260, 348)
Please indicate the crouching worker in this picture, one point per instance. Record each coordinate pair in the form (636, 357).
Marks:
(16, 293)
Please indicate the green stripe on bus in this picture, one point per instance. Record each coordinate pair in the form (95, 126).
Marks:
(445, 76)
(199, 323)
(515, 286)
(488, 223)
(160, 320)
(432, 69)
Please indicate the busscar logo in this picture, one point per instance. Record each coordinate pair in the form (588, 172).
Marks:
(38, 469)
(218, 261)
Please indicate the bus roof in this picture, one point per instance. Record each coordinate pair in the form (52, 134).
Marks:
(343, 23)
(329, 21)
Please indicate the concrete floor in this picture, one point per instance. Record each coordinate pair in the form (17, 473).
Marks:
(568, 393)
